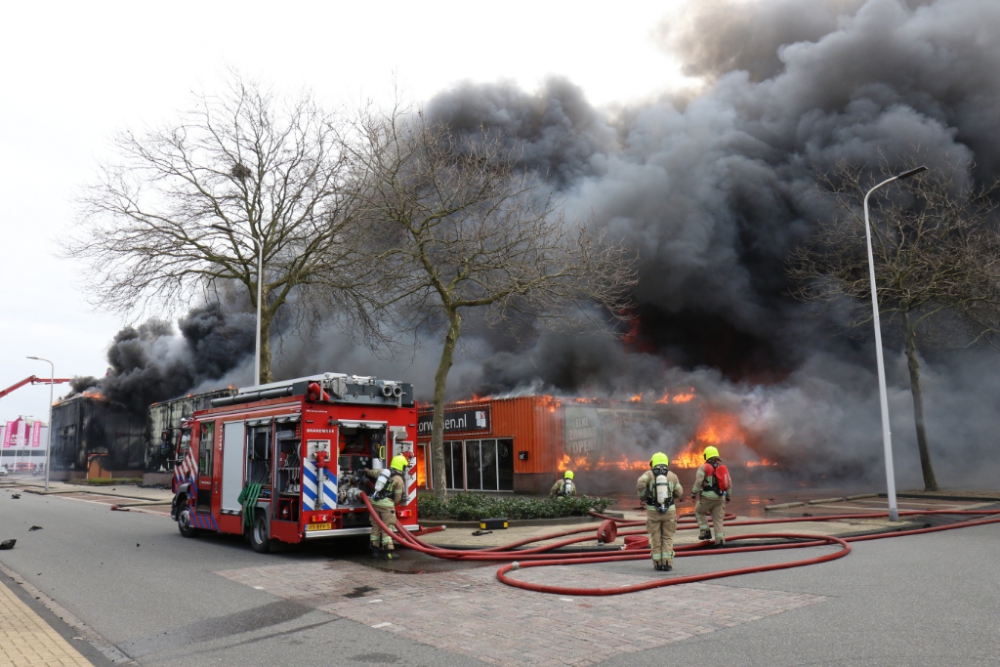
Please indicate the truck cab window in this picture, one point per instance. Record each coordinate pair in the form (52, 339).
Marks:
(184, 444)
(205, 441)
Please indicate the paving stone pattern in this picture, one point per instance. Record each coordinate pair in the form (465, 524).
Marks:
(470, 612)
(26, 640)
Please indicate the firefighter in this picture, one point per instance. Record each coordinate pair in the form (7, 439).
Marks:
(659, 489)
(711, 499)
(564, 488)
(389, 491)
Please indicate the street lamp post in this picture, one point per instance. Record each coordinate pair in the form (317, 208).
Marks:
(883, 397)
(48, 445)
(260, 292)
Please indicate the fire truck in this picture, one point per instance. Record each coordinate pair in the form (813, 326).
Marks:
(286, 461)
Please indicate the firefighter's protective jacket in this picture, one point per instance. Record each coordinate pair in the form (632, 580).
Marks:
(645, 487)
(703, 484)
(395, 491)
(557, 489)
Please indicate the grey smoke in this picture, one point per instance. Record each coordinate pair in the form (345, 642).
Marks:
(154, 362)
(713, 190)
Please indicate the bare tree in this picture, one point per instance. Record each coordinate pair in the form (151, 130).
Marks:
(185, 208)
(937, 266)
(466, 230)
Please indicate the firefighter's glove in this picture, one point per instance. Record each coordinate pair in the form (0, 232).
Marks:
(728, 497)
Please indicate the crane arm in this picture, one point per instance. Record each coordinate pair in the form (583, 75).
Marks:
(34, 379)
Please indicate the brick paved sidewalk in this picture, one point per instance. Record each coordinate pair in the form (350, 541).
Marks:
(469, 612)
(26, 640)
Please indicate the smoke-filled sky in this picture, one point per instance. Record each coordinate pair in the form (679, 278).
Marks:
(713, 185)
(75, 73)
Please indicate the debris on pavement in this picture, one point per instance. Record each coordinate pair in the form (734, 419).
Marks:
(35, 528)
(8, 544)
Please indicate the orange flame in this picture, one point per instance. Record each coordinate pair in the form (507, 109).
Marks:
(716, 428)
(636, 399)
(685, 397)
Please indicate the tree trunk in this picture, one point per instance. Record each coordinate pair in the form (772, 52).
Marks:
(913, 364)
(440, 381)
(266, 316)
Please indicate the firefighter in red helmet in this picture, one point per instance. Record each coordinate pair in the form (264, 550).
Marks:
(711, 489)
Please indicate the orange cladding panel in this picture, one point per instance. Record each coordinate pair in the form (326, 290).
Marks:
(533, 422)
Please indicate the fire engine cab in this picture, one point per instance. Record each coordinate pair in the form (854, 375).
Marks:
(286, 461)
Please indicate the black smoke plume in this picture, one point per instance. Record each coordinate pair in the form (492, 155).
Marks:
(155, 362)
(714, 188)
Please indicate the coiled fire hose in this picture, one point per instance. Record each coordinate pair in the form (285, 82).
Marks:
(541, 556)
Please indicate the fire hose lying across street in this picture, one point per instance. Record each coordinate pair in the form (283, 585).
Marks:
(542, 556)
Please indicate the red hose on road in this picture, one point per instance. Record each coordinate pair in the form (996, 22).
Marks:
(541, 556)
(646, 585)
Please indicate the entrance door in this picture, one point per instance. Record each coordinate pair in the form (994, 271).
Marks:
(233, 440)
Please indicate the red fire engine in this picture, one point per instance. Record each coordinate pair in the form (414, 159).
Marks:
(285, 461)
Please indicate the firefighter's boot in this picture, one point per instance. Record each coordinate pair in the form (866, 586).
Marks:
(667, 566)
(705, 535)
(375, 551)
(389, 554)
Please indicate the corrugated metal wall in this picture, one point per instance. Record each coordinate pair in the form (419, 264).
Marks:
(165, 419)
(84, 426)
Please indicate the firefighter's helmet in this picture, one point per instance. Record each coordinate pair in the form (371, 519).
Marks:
(568, 474)
(659, 459)
(398, 463)
(711, 453)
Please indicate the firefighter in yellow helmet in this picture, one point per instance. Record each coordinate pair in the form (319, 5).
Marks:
(565, 487)
(389, 492)
(711, 498)
(659, 489)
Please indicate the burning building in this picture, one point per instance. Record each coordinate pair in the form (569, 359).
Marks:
(522, 443)
(94, 437)
(164, 427)
(125, 421)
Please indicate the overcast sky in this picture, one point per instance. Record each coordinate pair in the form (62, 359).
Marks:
(74, 73)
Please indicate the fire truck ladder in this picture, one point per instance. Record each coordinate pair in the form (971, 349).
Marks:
(34, 379)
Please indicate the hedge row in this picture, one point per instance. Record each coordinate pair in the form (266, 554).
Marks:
(475, 506)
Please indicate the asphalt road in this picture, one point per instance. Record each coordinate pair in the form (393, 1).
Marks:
(901, 602)
(918, 601)
(152, 593)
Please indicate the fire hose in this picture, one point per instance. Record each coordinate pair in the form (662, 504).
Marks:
(541, 555)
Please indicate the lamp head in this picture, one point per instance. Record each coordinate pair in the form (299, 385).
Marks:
(911, 172)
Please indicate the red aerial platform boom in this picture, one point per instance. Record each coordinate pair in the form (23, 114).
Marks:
(34, 379)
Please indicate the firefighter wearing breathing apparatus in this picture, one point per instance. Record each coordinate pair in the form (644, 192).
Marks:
(565, 487)
(659, 489)
(712, 490)
(389, 491)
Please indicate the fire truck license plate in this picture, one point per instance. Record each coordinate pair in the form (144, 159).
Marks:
(319, 526)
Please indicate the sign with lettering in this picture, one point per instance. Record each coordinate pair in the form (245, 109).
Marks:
(462, 420)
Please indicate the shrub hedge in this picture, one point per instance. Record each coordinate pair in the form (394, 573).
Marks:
(475, 506)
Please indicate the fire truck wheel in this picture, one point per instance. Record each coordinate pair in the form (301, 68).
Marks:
(184, 524)
(259, 540)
